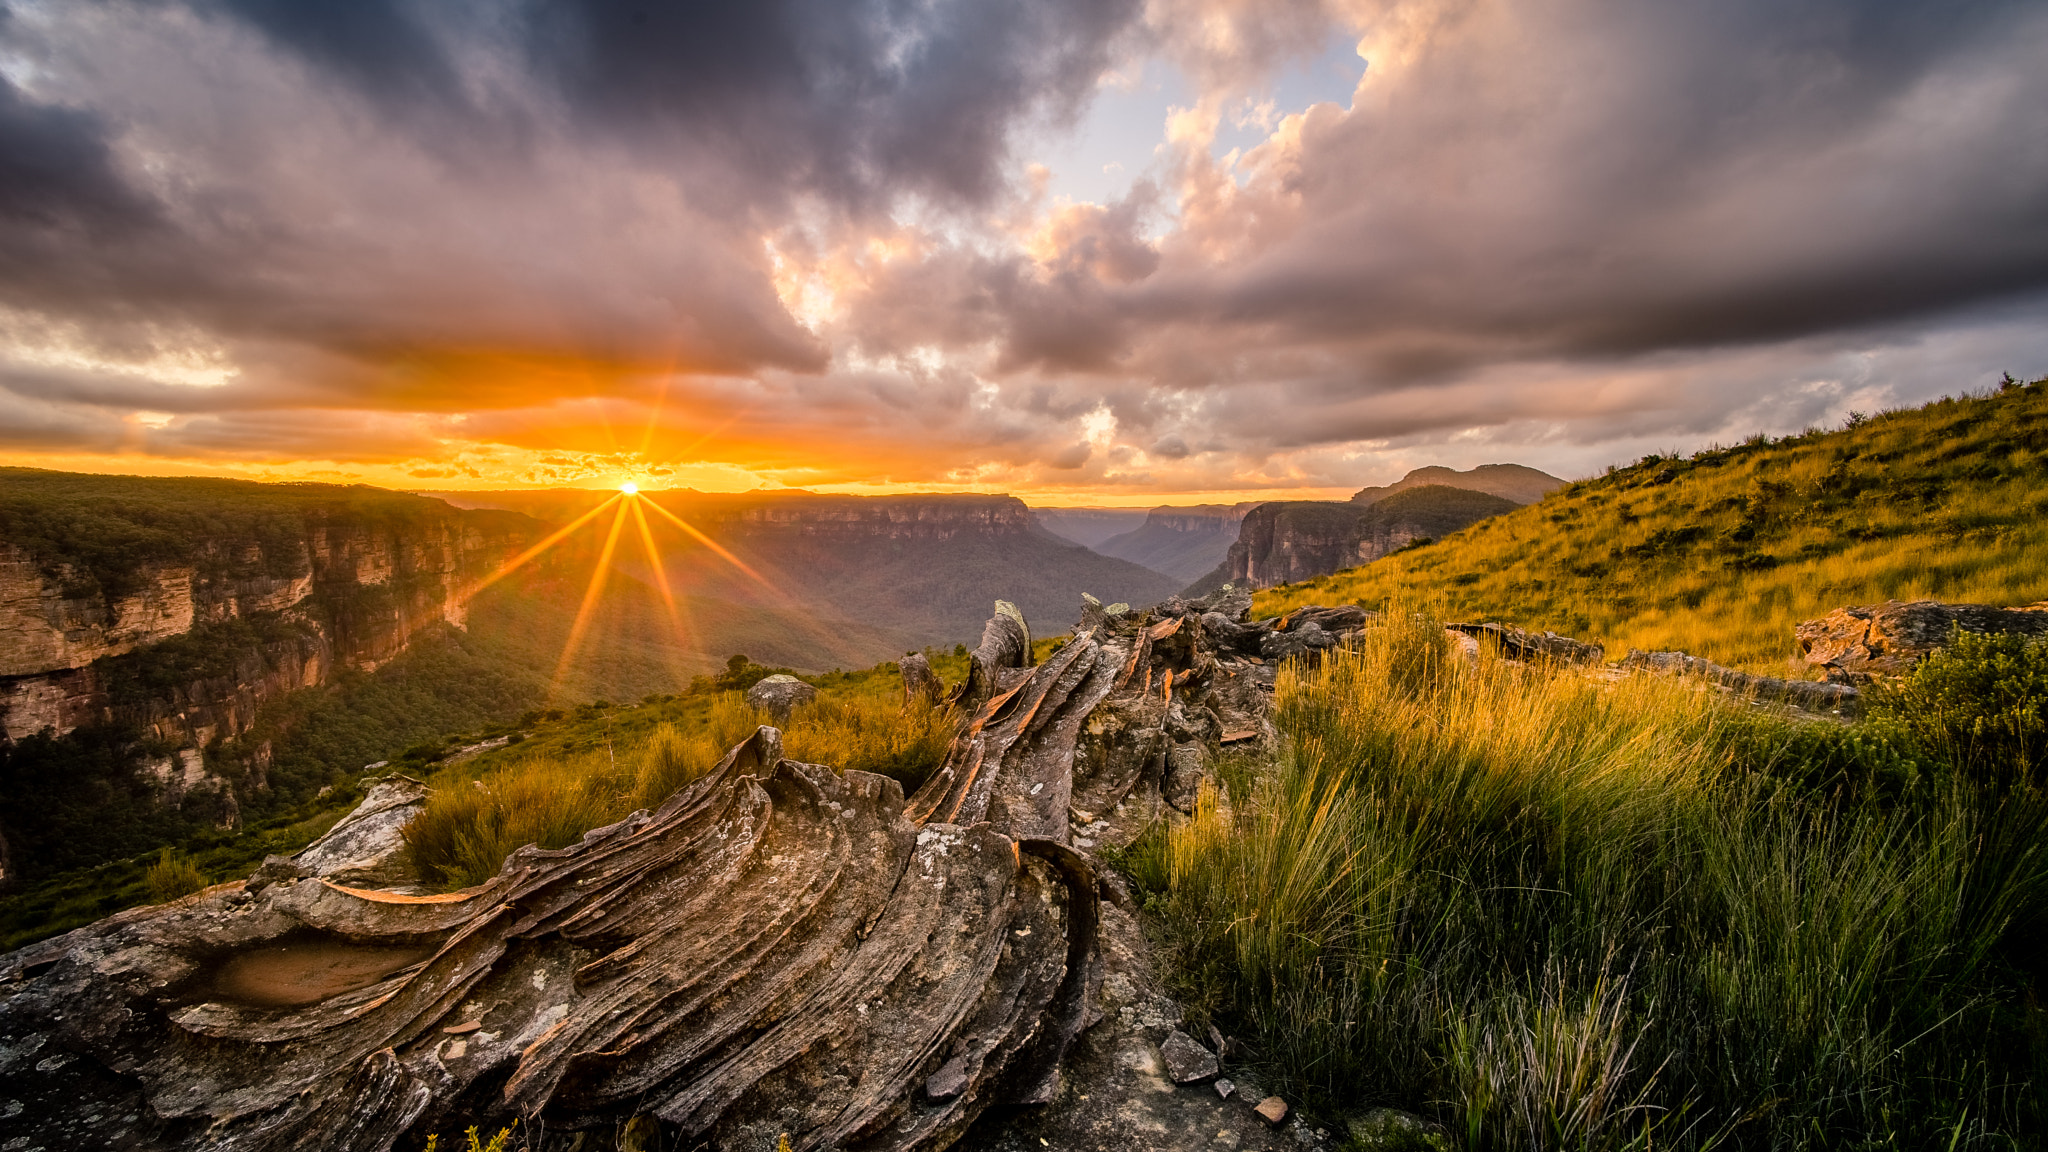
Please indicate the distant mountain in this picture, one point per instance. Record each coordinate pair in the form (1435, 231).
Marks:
(1182, 542)
(1507, 481)
(1289, 540)
(1089, 526)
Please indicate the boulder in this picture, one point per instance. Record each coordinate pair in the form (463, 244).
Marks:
(1857, 643)
(779, 695)
(922, 687)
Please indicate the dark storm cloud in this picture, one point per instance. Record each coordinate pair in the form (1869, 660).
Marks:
(1600, 179)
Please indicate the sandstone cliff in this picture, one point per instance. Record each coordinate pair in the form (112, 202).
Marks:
(170, 612)
(1285, 541)
(1182, 542)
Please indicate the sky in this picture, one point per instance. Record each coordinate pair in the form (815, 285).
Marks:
(1116, 252)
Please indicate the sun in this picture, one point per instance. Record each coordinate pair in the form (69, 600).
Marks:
(629, 487)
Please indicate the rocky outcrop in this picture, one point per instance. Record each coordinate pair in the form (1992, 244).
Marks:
(1283, 542)
(1807, 695)
(1858, 643)
(778, 950)
(1511, 482)
(1532, 647)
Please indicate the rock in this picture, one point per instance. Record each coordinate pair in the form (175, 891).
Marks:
(619, 977)
(1390, 1130)
(1224, 1087)
(1888, 639)
(1806, 694)
(1005, 648)
(921, 686)
(1184, 776)
(779, 695)
(1272, 1110)
(1517, 644)
(1186, 1060)
(367, 848)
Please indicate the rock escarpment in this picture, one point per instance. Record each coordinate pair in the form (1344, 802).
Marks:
(778, 949)
(1287, 541)
(334, 589)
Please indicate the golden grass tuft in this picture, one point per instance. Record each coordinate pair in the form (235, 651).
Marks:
(172, 876)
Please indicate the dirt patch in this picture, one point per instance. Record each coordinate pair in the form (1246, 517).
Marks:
(306, 970)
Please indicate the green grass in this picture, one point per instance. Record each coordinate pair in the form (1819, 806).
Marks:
(1721, 553)
(1557, 912)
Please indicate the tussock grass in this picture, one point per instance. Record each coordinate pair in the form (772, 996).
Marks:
(1559, 912)
(1721, 553)
(173, 875)
(553, 793)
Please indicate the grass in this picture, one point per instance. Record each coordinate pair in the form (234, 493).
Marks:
(597, 767)
(1556, 912)
(1722, 552)
(173, 875)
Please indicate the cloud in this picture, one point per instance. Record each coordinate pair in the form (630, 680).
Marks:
(794, 241)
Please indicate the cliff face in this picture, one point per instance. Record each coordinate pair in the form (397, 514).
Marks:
(346, 592)
(1287, 541)
(1182, 542)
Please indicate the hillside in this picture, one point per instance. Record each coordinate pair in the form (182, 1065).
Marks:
(1721, 552)
(1182, 542)
(1293, 540)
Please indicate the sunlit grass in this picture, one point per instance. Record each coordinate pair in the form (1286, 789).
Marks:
(1554, 911)
(598, 770)
(1722, 553)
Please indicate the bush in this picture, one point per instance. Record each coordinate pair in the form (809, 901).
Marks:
(173, 875)
(1979, 705)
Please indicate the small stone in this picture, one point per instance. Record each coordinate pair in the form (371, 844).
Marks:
(1272, 1110)
(1186, 1060)
(1224, 1088)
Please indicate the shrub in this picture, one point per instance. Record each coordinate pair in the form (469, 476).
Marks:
(1979, 705)
(173, 875)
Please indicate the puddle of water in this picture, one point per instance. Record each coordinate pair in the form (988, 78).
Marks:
(291, 973)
